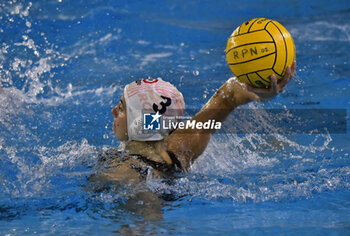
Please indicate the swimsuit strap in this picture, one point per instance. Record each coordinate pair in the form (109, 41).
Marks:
(163, 167)
(175, 161)
(113, 153)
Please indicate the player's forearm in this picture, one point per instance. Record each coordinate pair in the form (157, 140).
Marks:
(222, 103)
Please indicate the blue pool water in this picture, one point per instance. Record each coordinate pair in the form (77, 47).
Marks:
(63, 65)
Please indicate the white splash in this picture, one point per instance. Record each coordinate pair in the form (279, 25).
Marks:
(34, 179)
(323, 31)
(150, 58)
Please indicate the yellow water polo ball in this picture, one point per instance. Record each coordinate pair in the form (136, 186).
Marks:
(259, 48)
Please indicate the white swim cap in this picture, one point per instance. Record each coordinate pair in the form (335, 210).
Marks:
(151, 96)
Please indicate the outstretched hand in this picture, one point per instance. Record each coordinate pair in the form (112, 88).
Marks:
(244, 93)
(265, 94)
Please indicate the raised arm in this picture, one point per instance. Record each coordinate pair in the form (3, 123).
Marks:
(188, 144)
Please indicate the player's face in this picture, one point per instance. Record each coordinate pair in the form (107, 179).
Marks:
(119, 122)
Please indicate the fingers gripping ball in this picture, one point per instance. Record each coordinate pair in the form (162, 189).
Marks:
(259, 48)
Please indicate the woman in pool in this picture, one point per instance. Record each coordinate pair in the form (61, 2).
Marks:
(159, 153)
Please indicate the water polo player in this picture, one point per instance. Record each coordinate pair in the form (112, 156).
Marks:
(160, 153)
